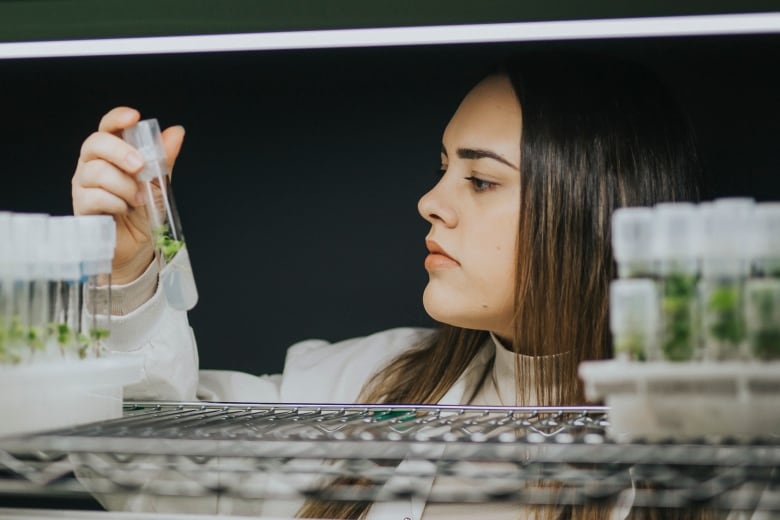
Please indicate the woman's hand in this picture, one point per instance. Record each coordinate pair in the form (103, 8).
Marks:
(105, 183)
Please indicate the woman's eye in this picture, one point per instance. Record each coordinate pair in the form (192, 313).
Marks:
(480, 185)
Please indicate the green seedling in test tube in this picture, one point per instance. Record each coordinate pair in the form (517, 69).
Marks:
(725, 309)
(164, 243)
(763, 318)
(633, 319)
(678, 306)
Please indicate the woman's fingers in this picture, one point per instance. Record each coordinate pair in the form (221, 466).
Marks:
(119, 118)
(172, 138)
(99, 173)
(108, 147)
(97, 201)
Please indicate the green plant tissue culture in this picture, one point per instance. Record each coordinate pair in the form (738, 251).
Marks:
(83, 345)
(4, 355)
(678, 298)
(766, 341)
(63, 333)
(724, 301)
(15, 332)
(98, 334)
(632, 344)
(167, 246)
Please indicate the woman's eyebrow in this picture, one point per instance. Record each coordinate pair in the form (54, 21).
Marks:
(478, 153)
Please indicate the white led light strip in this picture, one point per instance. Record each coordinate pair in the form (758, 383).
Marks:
(395, 36)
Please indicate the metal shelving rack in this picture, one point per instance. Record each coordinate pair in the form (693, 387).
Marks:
(483, 454)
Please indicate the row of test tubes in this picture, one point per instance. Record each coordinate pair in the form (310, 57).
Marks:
(55, 278)
(697, 282)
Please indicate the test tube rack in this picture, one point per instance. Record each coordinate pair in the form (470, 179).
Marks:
(487, 453)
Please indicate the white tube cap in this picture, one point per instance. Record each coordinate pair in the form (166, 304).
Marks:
(64, 249)
(725, 228)
(764, 233)
(5, 244)
(632, 234)
(677, 228)
(97, 235)
(145, 136)
(29, 253)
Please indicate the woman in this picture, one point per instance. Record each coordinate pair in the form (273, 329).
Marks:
(534, 161)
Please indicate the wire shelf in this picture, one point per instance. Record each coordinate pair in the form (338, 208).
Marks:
(479, 454)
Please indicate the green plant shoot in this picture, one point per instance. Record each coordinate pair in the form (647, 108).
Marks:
(766, 340)
(632, 344)
(727, 326)
(164, 243)
(679, 317)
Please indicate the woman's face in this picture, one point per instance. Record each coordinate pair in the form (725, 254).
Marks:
(474, 212)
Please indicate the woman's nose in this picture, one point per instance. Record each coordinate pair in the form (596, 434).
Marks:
(436, 206)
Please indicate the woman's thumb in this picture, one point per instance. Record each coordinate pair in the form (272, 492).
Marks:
(172, 138)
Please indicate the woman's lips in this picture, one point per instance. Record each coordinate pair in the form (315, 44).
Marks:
(438, 257)
(439, 261)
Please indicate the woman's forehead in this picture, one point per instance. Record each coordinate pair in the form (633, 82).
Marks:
(488, 117)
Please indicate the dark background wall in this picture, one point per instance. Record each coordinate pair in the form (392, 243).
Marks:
(298, 181)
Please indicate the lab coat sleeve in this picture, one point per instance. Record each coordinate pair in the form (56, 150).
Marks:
(162, 337)
(144, 325)
(317, 371)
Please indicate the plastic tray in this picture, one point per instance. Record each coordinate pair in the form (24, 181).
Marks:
(45, 396)
(684, 401)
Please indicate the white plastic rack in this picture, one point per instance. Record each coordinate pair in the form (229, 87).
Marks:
(483, 453)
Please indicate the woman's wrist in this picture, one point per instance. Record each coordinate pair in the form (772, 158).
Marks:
(126, 298)
(127, 272)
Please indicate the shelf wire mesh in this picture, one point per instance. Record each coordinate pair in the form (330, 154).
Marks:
(480, 454)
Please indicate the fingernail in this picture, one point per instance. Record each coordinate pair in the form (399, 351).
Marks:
(133, 160)
(139, 199)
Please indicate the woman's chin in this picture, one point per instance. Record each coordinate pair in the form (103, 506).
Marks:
(442, 307)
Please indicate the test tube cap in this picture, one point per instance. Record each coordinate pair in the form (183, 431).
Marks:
(725, 229)
(676, 231)
(632, 234)
(734, 203)
(146, 137)
(5, 241)
(64, 250)
(29, 238)
(97, 235)
(764, 233)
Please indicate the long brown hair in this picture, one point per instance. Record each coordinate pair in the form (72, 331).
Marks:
(596, 135)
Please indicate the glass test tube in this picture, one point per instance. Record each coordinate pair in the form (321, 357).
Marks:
(68, 285)
(6, 283)
(176, 275)
(97, 240)
(632, 242)
(27, 332)
(725, 267)
(633, 319)
(762, 289)
(674, 244)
